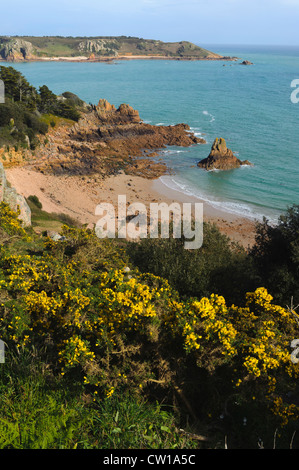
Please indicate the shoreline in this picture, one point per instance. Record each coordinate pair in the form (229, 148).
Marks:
(239, 229)
(84, 59)
(78, 197)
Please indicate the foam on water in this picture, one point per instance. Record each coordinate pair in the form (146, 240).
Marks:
(206, 113)
(233, 207)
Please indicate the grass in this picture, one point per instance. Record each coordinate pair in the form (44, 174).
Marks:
(68, 46)
(55, 121)
(43, 221)
(37, 411)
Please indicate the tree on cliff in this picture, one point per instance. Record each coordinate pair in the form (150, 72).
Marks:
(17, 88)
(66, 107)
(20, 118)
(276, 255)
(48, 100)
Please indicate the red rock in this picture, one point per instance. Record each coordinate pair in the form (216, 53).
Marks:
(221, 158)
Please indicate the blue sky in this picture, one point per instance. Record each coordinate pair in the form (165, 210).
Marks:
(200, 21)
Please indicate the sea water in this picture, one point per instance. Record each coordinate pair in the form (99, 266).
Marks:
(249, 106)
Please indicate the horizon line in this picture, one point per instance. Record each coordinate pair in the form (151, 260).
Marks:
(152, 39)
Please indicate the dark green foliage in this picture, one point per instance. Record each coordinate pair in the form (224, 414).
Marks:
(276, 256)
(66, 110)
(35, 201)
(216, 267)
(20, 115)
(72, 98)
(17, 88)
(9, 111)
(17, 122)
(51, 104)
(48, 100)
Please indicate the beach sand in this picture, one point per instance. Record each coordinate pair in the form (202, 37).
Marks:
(79, 196)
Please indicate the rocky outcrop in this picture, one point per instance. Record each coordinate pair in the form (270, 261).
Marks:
(13, 199)
(221, 158)
(16, 50)
(108, 139)
(246, 62)
(99, 46)
(108, 114)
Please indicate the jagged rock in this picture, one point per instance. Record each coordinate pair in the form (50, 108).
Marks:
(128, 113)
(221, 158)
(109, 114)
(246, 62)
(13, 199)
(106, 140)
(16, 50)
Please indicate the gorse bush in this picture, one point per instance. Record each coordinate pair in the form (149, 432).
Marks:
(105, 332)
(276, 256)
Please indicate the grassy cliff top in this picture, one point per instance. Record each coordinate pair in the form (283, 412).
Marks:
(29, 47)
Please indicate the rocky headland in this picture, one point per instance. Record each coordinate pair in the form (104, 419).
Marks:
(78, 49)
(17, 50)
(108, 152)
(221, 158)
(107, 140)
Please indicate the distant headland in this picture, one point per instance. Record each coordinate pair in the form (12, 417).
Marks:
(99, 49)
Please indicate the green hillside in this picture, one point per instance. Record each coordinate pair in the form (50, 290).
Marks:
(29, 47)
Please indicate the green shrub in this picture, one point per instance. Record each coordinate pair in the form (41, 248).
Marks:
(218, 266)
(35, 201)
(21, 114)
(276, 256)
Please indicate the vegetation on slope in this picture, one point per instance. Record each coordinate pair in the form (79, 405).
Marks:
(110, 344)
(100, 46)
(26, 113)
(107, 346)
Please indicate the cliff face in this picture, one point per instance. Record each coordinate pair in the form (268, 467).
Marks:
(16, 50)
(221, 158)
(102, 46)
(13, 199)
(98, 48)
(108, 139)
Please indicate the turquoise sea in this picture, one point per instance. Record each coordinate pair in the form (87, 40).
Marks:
(249, 106)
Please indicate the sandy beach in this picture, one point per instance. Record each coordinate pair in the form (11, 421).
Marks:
(127, 57)
(78, 197)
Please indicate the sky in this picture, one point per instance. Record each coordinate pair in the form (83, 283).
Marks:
(253, 22)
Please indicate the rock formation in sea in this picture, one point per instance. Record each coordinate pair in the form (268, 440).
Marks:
(108, 139)
(221, 158)
(13, 199)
